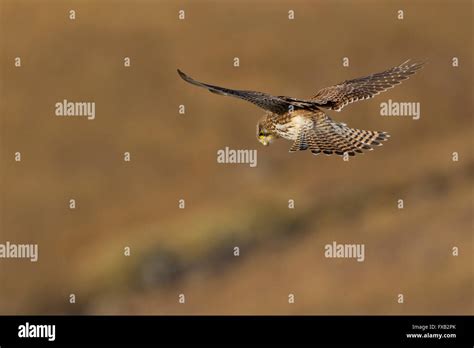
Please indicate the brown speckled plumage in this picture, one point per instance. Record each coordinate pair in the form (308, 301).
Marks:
(303, 121)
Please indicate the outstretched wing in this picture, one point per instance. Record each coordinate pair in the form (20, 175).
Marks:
(338, 96)
(278, 105)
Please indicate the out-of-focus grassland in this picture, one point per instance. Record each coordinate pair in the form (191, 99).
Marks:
(174, 156)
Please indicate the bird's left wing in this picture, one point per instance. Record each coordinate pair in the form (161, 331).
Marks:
(338, 96)
(278, 105)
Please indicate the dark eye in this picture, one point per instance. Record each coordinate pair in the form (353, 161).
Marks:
(261, 134)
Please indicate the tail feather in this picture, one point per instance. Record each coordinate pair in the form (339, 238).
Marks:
(330, 137)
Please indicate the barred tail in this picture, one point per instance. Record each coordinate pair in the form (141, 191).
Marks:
(358, 140)
(336, 138)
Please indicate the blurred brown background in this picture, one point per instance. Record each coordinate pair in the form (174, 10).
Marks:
(190, 250)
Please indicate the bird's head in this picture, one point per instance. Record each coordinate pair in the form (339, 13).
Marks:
(263, 135)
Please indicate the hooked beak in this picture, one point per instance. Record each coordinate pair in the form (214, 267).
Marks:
(264, 141)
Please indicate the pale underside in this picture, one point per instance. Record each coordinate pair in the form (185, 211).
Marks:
(316, 131)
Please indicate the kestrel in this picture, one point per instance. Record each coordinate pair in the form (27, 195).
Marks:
(304, 122)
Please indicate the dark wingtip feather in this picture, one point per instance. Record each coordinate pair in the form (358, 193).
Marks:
(182, 75)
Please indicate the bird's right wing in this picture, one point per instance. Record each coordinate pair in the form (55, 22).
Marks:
(278, 105)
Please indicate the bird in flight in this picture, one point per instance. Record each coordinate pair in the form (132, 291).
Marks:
(303, 120)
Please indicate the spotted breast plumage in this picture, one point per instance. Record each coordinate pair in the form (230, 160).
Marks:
(305, 123)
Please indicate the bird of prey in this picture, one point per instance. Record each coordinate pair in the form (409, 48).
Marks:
(303, 120)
